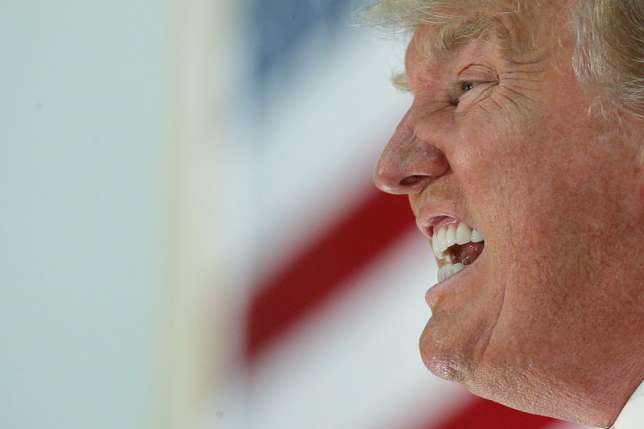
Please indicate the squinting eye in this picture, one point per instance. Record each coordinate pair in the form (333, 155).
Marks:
(464, 87)
(467, 86)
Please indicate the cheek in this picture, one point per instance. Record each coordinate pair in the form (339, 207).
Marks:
(520, 173)
(521, 184)
(500, 174)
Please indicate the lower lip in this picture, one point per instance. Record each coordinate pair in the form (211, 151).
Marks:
(453, 284)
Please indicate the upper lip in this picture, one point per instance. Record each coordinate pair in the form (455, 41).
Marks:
(428, 218)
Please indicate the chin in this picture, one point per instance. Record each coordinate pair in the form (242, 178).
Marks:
(440, 359)
(447, 370)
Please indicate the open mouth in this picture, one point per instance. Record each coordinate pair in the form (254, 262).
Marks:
(455, 244)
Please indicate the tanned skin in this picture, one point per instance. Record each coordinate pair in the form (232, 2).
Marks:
(550, 318)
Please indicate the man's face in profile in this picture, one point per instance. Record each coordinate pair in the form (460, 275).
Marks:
(503, 142)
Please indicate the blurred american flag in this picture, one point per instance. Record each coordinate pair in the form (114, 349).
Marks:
(331, 318)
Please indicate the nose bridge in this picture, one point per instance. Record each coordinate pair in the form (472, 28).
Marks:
(398, 149)
(407, 163)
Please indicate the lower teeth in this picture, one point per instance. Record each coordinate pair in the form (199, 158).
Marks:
(448, 271)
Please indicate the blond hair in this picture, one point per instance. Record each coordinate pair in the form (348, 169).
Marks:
(610, 49)
(609, 35)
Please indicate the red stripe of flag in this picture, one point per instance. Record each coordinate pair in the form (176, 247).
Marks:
(484, 414)
(321, 271)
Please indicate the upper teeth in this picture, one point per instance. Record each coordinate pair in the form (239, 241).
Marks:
(448, 235)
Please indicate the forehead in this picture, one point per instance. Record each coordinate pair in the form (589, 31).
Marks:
(428, 53)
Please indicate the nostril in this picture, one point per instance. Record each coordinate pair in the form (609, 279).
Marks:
(411, 180)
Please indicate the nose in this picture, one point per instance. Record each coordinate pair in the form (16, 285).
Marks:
(408, 164)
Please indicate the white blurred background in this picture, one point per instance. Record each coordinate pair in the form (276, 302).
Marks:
(190, 238)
